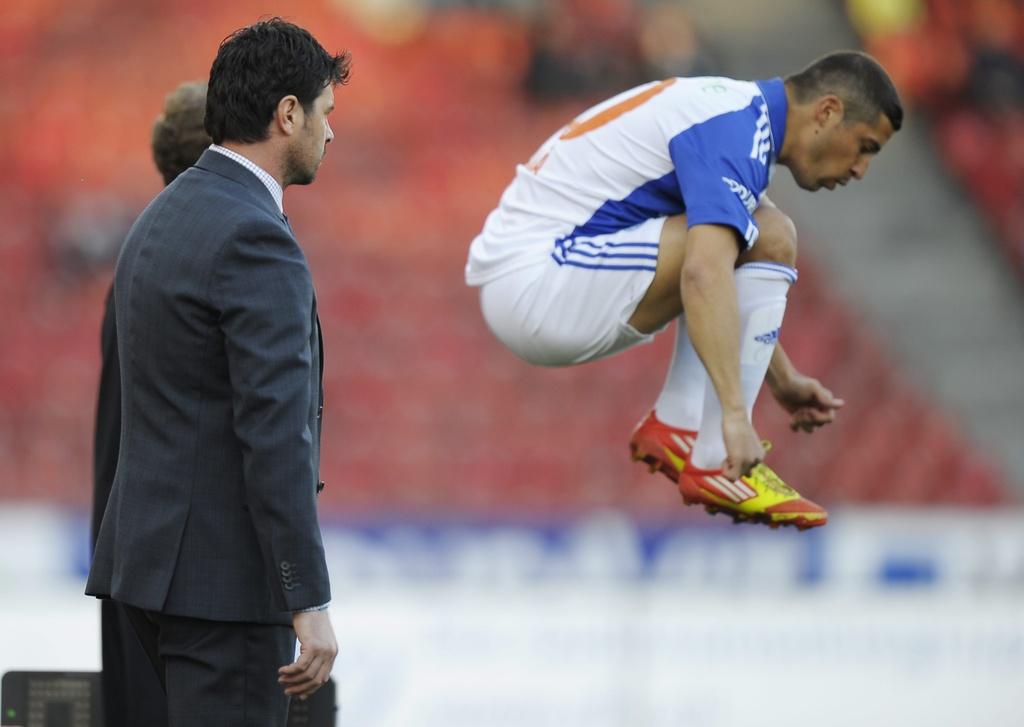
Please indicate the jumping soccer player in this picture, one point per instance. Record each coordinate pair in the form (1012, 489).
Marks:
(653, 203)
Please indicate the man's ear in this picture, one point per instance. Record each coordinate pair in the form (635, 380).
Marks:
(286, 116)
(828, 110)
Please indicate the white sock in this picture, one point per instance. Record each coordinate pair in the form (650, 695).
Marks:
(761, 290)
(681, 401)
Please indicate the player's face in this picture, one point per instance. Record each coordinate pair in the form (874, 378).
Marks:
(841, 151)
(310, 144)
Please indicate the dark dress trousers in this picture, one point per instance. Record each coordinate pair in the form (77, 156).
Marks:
(212, 514)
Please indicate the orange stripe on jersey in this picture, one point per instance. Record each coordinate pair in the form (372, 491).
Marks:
(535, 166)
(579, 128)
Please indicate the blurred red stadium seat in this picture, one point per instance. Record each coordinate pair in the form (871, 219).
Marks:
(425, 411)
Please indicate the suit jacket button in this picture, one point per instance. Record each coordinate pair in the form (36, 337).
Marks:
(320, 486)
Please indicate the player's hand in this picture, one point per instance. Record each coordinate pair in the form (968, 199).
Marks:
(809, 403)
(743, 449)
(317, 649)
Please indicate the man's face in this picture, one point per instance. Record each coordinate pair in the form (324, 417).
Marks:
(309, 145)
(835, 151)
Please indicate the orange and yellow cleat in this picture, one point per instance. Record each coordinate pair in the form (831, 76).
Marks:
(760, 497)
(663, 448)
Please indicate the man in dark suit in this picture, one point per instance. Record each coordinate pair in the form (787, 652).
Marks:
(210, 537)
(178, 140)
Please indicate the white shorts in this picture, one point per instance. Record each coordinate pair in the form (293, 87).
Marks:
(574, 306)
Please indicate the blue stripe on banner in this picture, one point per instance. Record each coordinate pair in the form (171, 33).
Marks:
(591, 266)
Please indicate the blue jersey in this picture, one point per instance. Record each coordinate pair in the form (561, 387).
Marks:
(704, 146)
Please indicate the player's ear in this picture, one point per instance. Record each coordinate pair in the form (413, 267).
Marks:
(828, 110)
(286, 115)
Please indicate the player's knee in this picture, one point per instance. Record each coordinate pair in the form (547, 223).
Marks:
(777, 239)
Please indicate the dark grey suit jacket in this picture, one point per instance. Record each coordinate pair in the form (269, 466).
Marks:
(213, 509)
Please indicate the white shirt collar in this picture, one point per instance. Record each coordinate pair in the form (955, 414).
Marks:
(268, 181)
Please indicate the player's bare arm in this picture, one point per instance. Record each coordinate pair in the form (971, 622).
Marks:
(712, 314)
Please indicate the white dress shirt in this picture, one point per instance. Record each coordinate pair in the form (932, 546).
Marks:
(262, 174)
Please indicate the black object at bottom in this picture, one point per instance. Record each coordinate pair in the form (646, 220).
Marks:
(51, 699)
(73, 699)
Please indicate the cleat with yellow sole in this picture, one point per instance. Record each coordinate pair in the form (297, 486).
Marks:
(760, 497)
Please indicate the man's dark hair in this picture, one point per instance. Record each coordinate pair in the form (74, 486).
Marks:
(858, 79)
(178, 134)
(259, 65)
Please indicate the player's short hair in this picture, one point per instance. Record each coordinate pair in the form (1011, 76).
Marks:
(256, 67)
(178, 134)
(858, 79)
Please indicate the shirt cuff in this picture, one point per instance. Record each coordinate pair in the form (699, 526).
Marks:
(321, 607)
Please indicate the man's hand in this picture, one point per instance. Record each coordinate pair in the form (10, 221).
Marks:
(743, 448)
(810, 404)
(317, 649)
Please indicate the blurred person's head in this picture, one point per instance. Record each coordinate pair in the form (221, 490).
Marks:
(179, 137)
(843, 108)
(271, 89)
(995, 82)
(668, 40)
